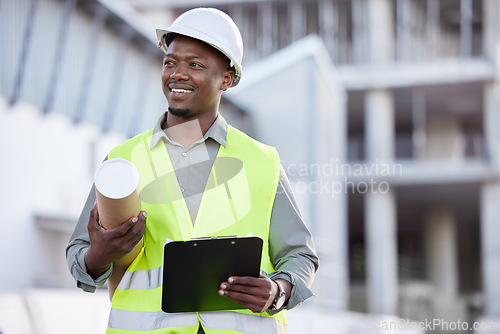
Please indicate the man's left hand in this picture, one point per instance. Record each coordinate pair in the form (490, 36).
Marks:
(256, 294)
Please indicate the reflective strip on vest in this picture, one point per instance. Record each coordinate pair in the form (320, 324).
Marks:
(148, 321)
(142, 279)
(242, 322)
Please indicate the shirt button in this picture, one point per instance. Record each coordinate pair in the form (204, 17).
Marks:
(184, 154)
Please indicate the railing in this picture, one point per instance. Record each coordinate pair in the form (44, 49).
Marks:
(406, 147)
(423, 30)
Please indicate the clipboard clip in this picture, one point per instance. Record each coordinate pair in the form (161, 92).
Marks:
(211, 238)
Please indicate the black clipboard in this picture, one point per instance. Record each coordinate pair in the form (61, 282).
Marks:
(193, 271)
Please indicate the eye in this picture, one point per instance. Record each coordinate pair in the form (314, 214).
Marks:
(196, 65)
(167, 62)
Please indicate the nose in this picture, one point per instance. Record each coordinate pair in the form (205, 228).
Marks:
(179, 73)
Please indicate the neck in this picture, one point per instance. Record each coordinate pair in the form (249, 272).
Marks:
(186, 131)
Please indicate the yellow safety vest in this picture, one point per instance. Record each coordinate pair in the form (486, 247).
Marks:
(238, 200)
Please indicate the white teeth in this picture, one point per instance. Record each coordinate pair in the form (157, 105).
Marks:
(178, 90)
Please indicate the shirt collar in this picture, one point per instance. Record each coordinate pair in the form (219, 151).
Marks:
(217, 131)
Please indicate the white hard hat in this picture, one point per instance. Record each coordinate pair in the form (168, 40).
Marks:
(213, 27)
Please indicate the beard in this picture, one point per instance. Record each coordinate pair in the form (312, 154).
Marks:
(179, 112)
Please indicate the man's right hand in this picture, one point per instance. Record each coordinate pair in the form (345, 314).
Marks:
(107, 246)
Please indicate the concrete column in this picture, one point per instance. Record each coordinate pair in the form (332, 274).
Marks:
(379, 126)
(332, 281)
(381, 31)
(380, 208)
(441, 249)
(490, 191)
(490, 208)
(296, 19)
(490, 240)
(382, 284)
(492, 122)
(265, 19)
(445, 140)
(329, 135)
(442, 266)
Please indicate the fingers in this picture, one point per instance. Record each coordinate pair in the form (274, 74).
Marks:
(130, 232)
(254, 293)
(252, 303)
(249, 280)
(257, 304)
(93, 223)
(246, 280)
(139, 226)
(132, 226)
(95, 212)
(119, 240)
(252, 286)
(136, 232)
(247, 295)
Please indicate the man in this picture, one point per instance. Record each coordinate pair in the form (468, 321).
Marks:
(187, 164)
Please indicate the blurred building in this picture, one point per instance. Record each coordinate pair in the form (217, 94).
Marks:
(387, 120)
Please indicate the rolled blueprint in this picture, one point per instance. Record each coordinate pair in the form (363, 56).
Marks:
(117, 191)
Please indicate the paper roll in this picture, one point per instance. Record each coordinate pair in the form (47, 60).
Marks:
(117, 191)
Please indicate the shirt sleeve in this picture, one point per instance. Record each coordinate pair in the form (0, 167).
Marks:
(291, 247)
(77, 248)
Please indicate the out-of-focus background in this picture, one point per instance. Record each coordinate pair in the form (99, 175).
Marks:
(386, 114)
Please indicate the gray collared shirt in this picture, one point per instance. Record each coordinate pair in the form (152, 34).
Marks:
(291, 247)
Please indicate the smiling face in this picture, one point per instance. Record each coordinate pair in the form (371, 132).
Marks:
(193, 77)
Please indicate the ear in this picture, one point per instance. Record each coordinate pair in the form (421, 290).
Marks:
(228, 79)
